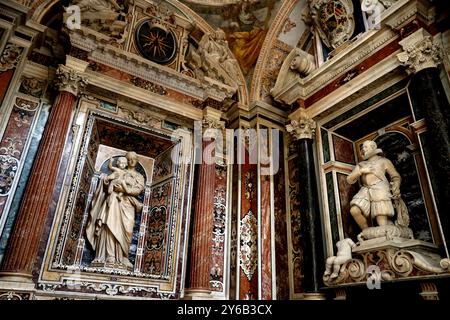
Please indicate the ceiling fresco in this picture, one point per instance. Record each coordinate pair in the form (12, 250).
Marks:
(246, 24)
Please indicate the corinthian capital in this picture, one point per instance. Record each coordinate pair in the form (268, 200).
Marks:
(210, 123)
(70, 80)
(302, 127)
(419, 52)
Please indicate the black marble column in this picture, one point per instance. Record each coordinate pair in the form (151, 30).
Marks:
(430, 103)
(310, 218)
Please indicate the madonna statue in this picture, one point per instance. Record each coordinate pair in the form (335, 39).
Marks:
(111, 218)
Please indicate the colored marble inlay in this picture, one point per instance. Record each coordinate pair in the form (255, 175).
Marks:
(395, 147)
(332, 208)
(12, 145)
(325, 145)
(248, 235)
(157, 238)
(296, 235)
(266, 239)
(219, 229)
(5, 79)
(281, 249)
(28, 163)
(357, 70)
(141, 83)
(343, 150)
(367, 103)
(108, 106)
(346, 192)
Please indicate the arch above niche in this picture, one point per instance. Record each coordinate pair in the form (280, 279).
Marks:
(215, 3)
(288, 30)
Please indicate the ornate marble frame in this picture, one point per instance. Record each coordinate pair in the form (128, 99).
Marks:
(58, 279)
(394, 87)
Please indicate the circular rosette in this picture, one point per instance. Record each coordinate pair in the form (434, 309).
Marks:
(156, 43)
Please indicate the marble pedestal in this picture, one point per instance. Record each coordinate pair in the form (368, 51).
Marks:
(392, 258)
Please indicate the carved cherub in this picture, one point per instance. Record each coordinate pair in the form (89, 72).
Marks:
(117, 177)
(343, 255)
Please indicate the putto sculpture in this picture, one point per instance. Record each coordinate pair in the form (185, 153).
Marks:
(344, 254)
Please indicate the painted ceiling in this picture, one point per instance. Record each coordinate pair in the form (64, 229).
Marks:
(245, 23)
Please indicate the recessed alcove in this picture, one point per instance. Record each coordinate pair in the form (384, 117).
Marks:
(387, 120)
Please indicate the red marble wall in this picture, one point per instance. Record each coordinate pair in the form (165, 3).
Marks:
(248, 232)
(5, 79)
(343, 150)
(234, 259)
(281, 239)
(266, 239)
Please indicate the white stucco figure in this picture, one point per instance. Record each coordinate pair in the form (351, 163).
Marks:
(344, 254)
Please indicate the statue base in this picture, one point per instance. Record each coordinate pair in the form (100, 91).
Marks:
(111, 265)
(388, 231)
(390, 259)
(396, 242)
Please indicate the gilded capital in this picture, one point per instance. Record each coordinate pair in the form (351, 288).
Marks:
(303, 127)
(419, 52)
(70, 80)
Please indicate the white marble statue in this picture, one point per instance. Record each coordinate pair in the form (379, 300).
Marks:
(99, 7)
(111, 218)
(378, 196)
(344, 254)
(105, 16)
(372, 10)
(214, 60)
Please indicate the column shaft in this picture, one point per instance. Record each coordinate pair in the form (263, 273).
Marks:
(24, 242)
(200, 262)
(310, 220)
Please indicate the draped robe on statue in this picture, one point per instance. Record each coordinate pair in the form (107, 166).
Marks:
(111, 220)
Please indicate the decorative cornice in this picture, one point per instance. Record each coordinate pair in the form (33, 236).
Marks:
(303, 127)
(70, 81)
(420, 52)
(103, 53)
